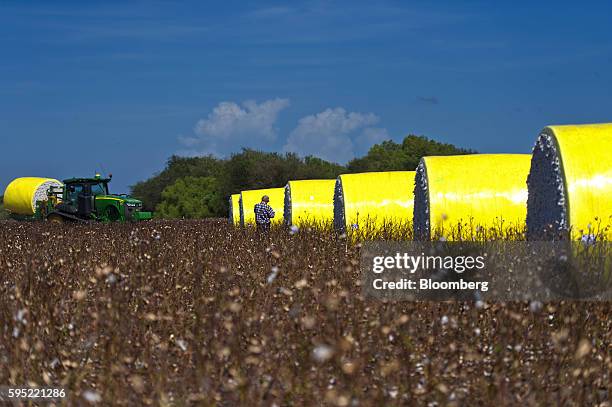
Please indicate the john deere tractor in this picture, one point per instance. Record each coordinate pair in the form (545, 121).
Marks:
(88, 199)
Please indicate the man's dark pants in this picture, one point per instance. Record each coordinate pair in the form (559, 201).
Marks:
(263, 227)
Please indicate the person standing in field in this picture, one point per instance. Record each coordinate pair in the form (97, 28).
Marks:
(263, 214)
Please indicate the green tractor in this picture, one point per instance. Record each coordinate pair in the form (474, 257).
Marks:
(88, 199)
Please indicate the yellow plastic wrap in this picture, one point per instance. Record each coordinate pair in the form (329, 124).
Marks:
(370, 200)
(309, 202)
(21, 194)
(471, 196)
(234, 209)
(579, 195)
(248, 199)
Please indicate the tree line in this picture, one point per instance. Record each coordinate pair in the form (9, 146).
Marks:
(198, 187)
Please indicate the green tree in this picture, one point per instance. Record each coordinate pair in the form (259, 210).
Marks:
(252, 169)
(315, 167)
(150, 191)
(392, 156)
(190, 197)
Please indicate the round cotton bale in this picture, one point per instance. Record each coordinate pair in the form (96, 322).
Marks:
(371, 200)
(22, 194)
(469, 197)
(248, 199)
(309, 202)
(234, 209)
(570, 183)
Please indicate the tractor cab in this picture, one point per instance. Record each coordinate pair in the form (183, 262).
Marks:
(79, 196)
(84, 187)
(87, 199)
(94, 187)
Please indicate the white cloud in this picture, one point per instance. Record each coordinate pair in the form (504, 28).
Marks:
(327, 134)
(333, 134)
(231, 126)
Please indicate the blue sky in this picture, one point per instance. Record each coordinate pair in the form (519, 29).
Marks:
(122, 86)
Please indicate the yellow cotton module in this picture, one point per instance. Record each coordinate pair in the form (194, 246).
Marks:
(371, 200)
(570, 183)
(471, 197)
(248, 199)
(234, 209)
(309, 202)
(22, 194)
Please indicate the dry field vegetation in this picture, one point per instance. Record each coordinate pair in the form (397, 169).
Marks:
(200, 313)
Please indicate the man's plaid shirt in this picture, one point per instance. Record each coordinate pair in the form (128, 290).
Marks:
(263, 213)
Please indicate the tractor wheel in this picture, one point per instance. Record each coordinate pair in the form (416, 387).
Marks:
(55, 218)
(112, 214)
